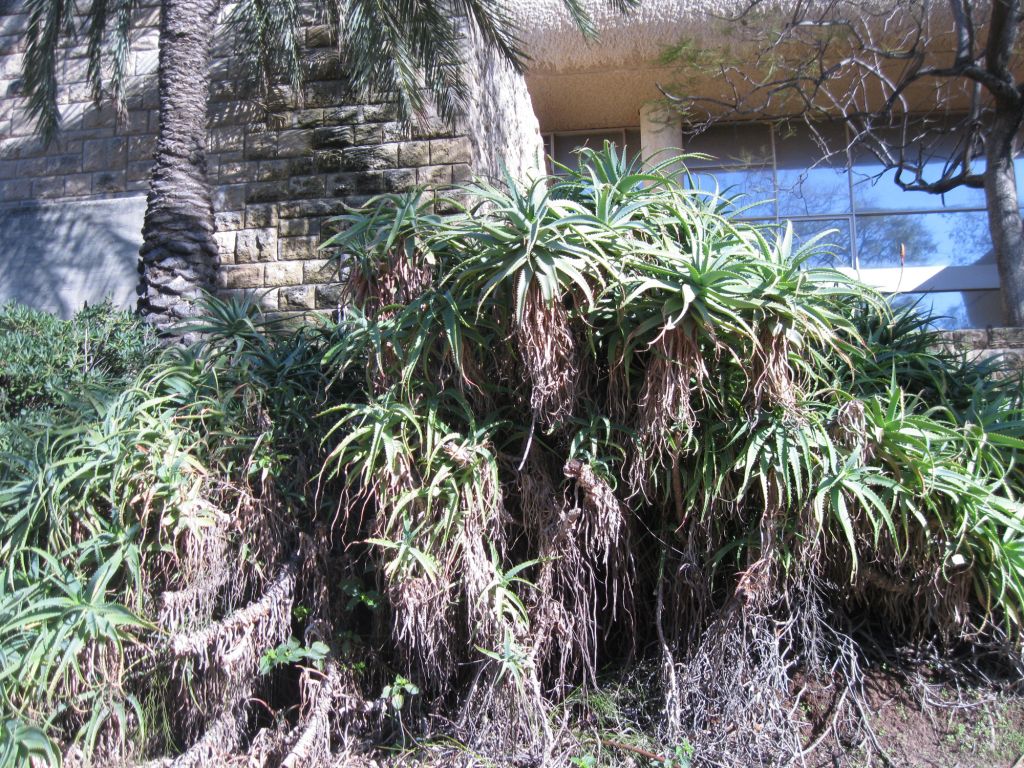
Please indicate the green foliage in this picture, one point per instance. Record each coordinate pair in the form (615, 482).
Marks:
(395, 693)
(99, 499)
(412, 54)
(20, 744)
(547, 417)
(293, 652)
(42, 357)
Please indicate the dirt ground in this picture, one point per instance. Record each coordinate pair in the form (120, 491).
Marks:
(935, 725)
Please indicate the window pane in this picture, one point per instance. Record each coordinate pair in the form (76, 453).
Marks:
(875, 189)
(811, 191)
(567, 143)
(737, 144)
(810, 184)
(633, 140)
(832, 250)
(749, 190)
(958, 309)
(950, 239)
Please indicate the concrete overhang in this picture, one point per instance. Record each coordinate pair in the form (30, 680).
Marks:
(577, 84)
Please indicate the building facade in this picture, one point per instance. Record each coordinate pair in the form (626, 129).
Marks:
(283, 166)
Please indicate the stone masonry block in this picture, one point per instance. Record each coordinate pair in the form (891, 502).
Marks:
(141, 147)
(272, 170)
(334, 137)
(371, 158)
(260, 216)
(345, 185)
(228, 220)
(324, 93)
(329, 296)
(11, 66)
(109, 182)
(261, 146)
(380, 113)
(319, 271)
(300, 297)
(329, 160)
(225, 246)
(254, 245)
(462, 173)
(296, 227)
(11, 190)
(295, 142)
(306, 186)
(229, 198)
(303, 247)
(395, 132)
(78, 185)
(279, 273)
(367, 134)
(412, 154)
(399, 179)
(323, 65)
(104, 154)
(47, 189)
(241, 276)
(57, 165)
(320, 36)
(433, 176)
(229, 138)
(299, 208)
(267, 299)
(234, 171)
(1006, 338)
(301, 166)
(341, 116)
(266, 192)
(307, 118)
(448, 151)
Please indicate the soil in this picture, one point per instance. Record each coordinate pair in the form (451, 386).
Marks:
(930, 725)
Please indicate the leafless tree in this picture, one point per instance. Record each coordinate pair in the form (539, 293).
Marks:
(931, 88)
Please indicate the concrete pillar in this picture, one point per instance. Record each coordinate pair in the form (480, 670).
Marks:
(661, 133)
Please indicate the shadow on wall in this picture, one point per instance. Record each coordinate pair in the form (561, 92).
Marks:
(60, 256)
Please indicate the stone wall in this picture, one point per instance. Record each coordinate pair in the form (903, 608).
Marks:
(282, 164)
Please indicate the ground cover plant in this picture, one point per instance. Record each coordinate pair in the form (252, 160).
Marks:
(587, 473)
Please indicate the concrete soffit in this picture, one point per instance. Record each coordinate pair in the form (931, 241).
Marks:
(576, 84)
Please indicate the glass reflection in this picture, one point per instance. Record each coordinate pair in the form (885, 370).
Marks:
(875, 189)
(750, 191)
(930, 239)
(832, 250)
(957, 309)
(810, 191)
(809, 183)
(737, 144)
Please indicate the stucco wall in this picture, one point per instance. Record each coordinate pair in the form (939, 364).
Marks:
(282, 167)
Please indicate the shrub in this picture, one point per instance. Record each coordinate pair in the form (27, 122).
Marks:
(43, 356)
(587, 425)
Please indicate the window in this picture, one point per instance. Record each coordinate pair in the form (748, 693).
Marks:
(934, 249)
(931, 249)
(560, 146)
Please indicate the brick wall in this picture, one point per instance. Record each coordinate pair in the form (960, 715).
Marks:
(282, 164)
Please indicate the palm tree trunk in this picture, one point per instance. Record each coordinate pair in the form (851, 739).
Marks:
(178, 258)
